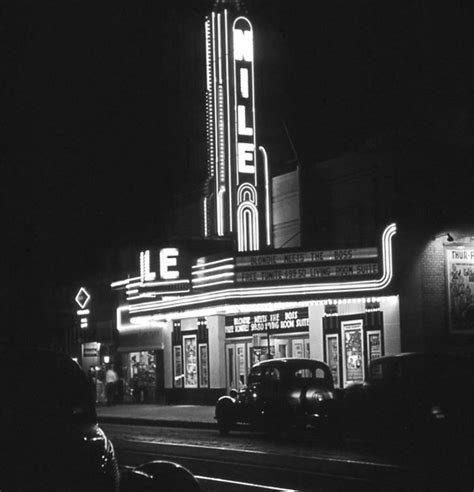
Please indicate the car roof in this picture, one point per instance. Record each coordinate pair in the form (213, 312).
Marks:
(289, 361)
(420, 355)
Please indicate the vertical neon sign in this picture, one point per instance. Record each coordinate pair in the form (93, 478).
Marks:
(232, 203)
(245, 137)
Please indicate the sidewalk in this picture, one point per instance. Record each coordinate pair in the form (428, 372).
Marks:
(195, 416)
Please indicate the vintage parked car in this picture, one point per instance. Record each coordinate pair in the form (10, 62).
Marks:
(412, 396)
(281, 393)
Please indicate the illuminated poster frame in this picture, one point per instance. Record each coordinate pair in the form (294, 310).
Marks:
(190, 361)
(353, 351)
(374, 346)
(460, 289)
(332, 357)
(203, 366)
(178, 366)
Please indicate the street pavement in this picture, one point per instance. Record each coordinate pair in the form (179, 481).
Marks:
(352, 452)
(194, 416)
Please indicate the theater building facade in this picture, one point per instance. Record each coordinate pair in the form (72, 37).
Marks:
(201, 324)
(191, 324)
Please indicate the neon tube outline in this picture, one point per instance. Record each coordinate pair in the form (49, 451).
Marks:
(287, 290)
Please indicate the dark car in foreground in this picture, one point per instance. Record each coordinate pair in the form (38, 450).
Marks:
(413, 397)
(50, 439)
(49, 436)
(281, 393)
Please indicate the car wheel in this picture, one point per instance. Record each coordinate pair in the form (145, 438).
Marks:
(224, 425)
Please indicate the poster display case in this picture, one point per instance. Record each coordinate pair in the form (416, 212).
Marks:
(353, 351)
(190, 361)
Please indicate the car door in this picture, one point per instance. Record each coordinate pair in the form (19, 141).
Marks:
(272, 398)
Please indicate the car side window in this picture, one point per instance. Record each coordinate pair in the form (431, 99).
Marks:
(320, 373)
(273, 374)
(303, 373)
(256, 375)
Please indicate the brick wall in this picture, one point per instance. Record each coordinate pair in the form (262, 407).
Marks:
(433, 288)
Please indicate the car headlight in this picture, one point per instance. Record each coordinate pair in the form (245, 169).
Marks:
(437, 413)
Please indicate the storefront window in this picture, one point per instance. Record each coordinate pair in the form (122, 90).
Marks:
(141, 372)
(190, 361)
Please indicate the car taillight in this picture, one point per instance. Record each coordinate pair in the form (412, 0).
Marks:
(319, 395)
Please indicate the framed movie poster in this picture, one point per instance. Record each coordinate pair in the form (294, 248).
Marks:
(460, 287)
(190, 361)
(178, 366)
(352, 351)
(332, 354)
(374, 344)
(203, 366)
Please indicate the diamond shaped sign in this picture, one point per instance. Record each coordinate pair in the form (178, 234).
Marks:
(82, 298)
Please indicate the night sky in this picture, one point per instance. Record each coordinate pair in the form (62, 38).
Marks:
(105, 107)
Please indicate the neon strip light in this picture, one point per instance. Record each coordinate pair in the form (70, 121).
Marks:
(215, 269)
(235, 309)
(247, 192)
(229, 162)
(121, 283)
(212, 284)
(203, 265)
(156, 284)
(267, 195)
(141, 296)
(288, 290)
(205, 217)
(147, 320)
(208, 69)
(215, 126)
(219, 47)
(220, 212)
(164, 282)
(154, 294)
(247, 227)
(253, 114)
(213, 277)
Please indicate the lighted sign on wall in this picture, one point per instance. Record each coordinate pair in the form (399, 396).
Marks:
(82, 300)
(159, 276)
(279, 321)
(232, 203)
(460, 279)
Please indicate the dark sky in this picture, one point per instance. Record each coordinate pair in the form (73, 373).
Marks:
(105, 105)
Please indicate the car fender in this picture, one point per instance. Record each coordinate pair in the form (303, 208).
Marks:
(225, 407)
